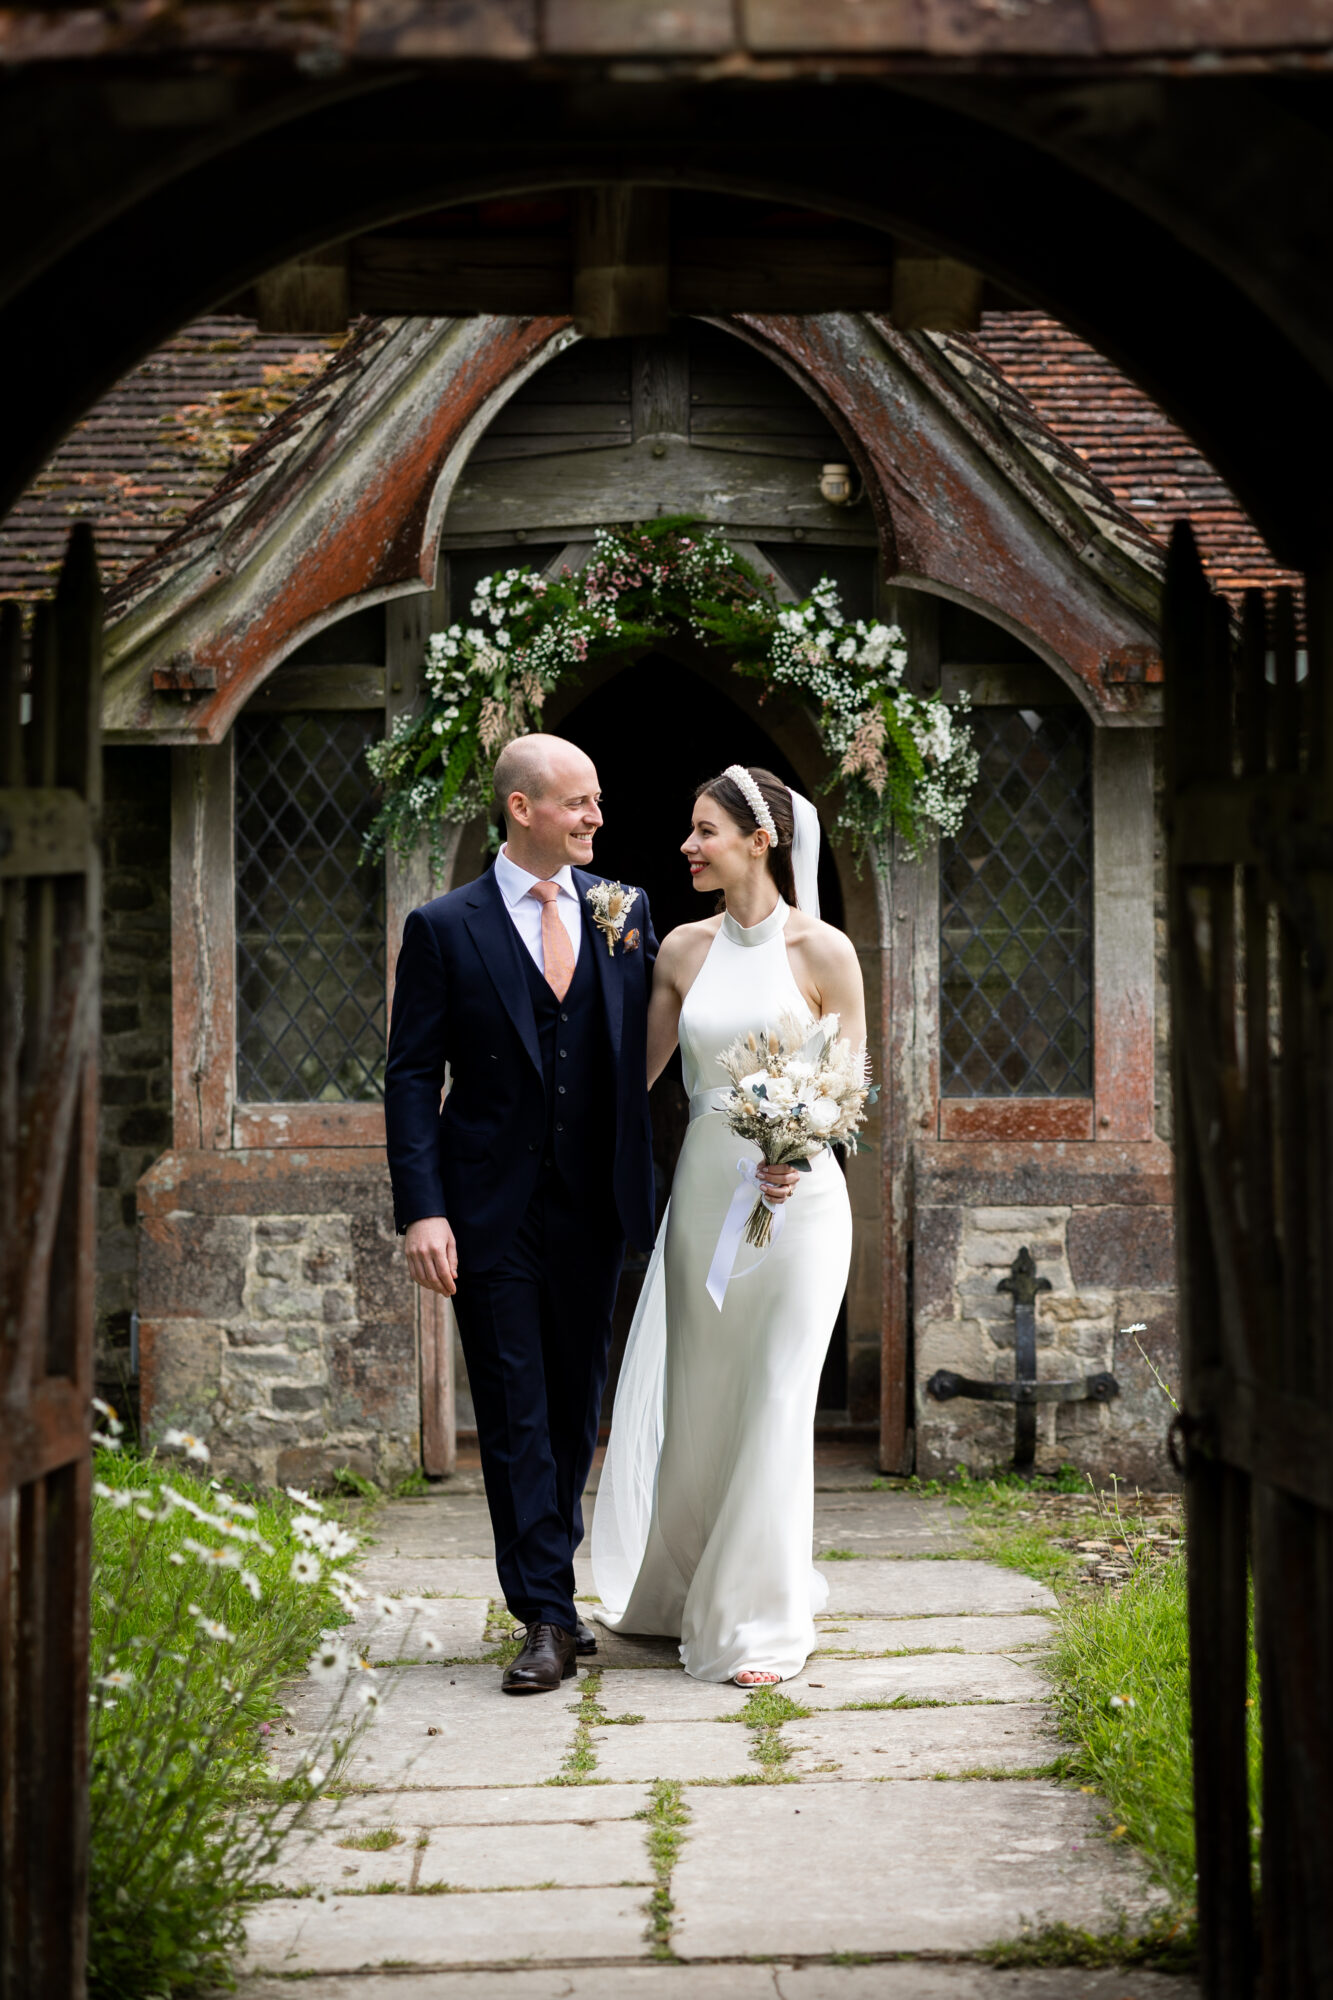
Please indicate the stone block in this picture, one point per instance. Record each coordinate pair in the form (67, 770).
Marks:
(181, 1371)
(668, 1695)
(459, 1624)
(935, 1261)
(297, 1396)
(280, 1301)
(890, 1635)
(897, 1589)
(921, 1742)
(676, 1750)
(317, 1465)
(339, 1308)
(192, 1266)
(1125, 1249)
(146, 1126)
(281, 1262)
(366, 1931)
(947, 1677)
(528, 1805)
(968, 1862)
(279, 1228)
(521, 1857)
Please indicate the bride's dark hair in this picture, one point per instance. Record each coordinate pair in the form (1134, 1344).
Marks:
(778, 800)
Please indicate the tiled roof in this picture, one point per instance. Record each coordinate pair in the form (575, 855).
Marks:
(155, 447)
(1128, 443)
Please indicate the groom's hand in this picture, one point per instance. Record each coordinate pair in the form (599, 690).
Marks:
(432, 1255)
(778, 1183)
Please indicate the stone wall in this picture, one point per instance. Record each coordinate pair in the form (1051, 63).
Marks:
(278, 1319)
(136, 1031)
(1098, 1221)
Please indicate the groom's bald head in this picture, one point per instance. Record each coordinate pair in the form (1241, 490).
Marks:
(537, 765)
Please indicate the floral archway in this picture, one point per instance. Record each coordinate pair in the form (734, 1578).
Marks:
(904, 761)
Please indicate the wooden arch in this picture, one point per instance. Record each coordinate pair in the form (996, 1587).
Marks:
(342, 507)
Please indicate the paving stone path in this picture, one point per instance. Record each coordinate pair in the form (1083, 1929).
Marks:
(642, 1835)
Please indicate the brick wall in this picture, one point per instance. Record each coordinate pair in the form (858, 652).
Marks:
(136, 1031)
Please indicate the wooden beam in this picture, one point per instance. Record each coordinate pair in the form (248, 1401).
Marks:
(936, 295)
(309, 295)
(457, 275)
(621, 260)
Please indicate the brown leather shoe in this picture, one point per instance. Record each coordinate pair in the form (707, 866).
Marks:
(546, 1660)
(585, 1640)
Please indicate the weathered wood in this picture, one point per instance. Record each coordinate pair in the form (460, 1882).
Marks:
(621, 270)
(660, 386)
(409, 882)
(304, 688)
(461, 274)
(265, 1125)
(49, 961)
(1123, 957)
(203, 946)
(910, 919)
(555, 495)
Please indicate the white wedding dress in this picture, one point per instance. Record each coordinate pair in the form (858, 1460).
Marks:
(705, 1510)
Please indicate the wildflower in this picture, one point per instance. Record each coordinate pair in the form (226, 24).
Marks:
(315, 1777)
(213, 1628)
(120, 1498)
(107, 1443)
(384, 1607)
(369, 1697)
(117, 1678)
(430, 1642)
(241, 1508)
(186, 1441)
(334, 1541)
(176, 1557)
(101, 1491)
(1123, 1701)
(305, 1568)
(329, 1661)
(251, 1583)
(214, 1558)
(305, 1528)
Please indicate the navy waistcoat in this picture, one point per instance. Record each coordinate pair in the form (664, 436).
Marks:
(576, 1071)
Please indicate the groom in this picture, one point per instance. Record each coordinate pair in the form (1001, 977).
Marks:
(517, 1194)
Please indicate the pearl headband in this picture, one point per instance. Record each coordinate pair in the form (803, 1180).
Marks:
(754, 799)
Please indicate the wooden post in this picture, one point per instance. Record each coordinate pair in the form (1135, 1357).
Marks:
(621, 260)
(203, 946)
(408, 883)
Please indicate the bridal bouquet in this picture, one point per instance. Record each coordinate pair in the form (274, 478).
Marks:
(794, 1092)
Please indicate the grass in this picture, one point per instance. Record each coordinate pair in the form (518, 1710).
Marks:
(377, 1841)
(1121, 1668)
(667, 1819)
(199, 1618)
(581, 1757)
(764, 1713)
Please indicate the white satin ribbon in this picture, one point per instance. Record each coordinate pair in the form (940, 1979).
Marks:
(733, 1228)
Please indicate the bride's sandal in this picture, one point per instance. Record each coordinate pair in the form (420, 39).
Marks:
(755, 1677)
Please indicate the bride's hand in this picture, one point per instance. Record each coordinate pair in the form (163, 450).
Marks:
(778, 1183)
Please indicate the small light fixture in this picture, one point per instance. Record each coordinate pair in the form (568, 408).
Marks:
(837, 486)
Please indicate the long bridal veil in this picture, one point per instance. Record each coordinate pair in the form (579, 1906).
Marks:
(626, 1489)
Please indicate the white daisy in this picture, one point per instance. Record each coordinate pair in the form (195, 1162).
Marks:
(329, 1661)
(303, 1499)
(213, 1628)
(305, 1568)
(186, 1441)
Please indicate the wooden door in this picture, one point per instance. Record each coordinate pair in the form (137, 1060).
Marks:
(1250, 812)
(50, 785)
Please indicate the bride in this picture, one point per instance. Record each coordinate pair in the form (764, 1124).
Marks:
(705, 1511)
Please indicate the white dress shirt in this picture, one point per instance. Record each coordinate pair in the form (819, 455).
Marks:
(526, 910)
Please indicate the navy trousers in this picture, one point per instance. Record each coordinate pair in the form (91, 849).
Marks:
(536, 1332)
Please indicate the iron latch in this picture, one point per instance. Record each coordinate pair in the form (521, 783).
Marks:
(1025, 1391)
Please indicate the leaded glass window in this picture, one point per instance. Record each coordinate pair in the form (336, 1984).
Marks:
(310, 945)
(1016, 913)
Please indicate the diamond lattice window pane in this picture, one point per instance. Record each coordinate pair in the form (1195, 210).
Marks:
(1016, 914)
(309, 920)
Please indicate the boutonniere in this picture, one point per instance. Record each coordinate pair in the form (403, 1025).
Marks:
(611, 903)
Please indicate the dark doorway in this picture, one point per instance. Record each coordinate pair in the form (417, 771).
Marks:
(655, 732)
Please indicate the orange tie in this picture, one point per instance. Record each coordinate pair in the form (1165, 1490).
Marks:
(557, 951)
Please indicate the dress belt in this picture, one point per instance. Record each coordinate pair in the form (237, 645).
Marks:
(709, 1100)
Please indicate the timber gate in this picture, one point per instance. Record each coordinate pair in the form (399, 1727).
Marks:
(50, 795)
(1250, 811)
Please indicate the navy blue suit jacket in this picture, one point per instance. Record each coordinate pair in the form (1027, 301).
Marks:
(462, 998)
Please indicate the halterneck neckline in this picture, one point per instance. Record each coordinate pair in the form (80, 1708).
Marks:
(763, 932)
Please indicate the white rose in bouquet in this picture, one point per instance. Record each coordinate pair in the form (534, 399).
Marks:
(823, 1115)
